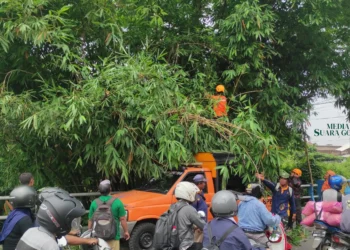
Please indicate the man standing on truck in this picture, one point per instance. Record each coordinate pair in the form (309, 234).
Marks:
(282, 197)
(118, 212)
(220, 101)
(295, 184)
(200, 203)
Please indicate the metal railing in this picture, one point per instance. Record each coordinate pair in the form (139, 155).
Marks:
(92, 194)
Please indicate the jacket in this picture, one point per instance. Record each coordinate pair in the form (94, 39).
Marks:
(253, 215)
(15, 216)
(200, 204)
(295, 184)
(280, 200)
(186, 218)
(235, 240)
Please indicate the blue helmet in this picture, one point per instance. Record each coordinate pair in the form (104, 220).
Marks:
(336, 182)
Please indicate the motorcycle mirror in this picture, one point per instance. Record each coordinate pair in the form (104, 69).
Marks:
(62, 242)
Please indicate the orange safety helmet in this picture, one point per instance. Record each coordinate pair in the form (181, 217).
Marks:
(220, 88)
(330, 172)
(297, 171)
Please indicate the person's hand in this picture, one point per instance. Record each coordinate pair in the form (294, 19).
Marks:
(294, 217)
(198, 230)
(92, 241)
(126, 236)
(260, 176)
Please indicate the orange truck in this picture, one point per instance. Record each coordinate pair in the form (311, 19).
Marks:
(145, 205)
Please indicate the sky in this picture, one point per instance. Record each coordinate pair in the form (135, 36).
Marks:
(328, 114)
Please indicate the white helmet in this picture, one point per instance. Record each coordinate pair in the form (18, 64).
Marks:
(186, 190)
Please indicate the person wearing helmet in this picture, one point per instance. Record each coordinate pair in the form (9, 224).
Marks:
(326, 185)
(26, 179)
(200, 203)
(282, 197)
(220, 101)
(55, 217)
(253, 216)
(71, 238)
(117, 209)
(224, 207)
(295, 184)
(187, 217)
(20, 218)
(333, 193)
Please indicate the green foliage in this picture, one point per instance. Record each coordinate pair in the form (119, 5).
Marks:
(319, 162)
(118, 88)
(296, 235)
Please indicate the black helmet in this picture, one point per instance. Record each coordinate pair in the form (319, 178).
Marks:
(50, 191)
(57, 212)
(255, 189)
(23, 197)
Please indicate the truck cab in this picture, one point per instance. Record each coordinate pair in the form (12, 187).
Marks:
(146, 204)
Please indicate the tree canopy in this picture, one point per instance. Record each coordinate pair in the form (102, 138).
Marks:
(120, 87)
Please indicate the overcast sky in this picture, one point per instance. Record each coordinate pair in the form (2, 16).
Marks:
(327, 114)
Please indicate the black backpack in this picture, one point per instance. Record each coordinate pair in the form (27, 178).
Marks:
(216, 245)
(104, 224)
(166, 235)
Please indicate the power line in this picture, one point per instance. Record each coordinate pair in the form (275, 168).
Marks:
(325, 118)
(321, 103)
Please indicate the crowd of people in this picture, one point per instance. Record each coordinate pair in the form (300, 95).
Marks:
(37, 221)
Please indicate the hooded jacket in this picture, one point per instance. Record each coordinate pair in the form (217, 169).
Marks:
(253, 215)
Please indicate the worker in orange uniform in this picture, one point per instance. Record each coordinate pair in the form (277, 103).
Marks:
(326, 178)
(220, 101)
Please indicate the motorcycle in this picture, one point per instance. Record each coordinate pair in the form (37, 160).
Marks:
(327, 237)
(277, 238)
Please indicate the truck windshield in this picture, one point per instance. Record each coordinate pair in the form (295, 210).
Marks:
(162, 184)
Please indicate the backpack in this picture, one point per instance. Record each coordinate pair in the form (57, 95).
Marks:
(289, 189)
(216, 245)
(166, 235)
(104, 224)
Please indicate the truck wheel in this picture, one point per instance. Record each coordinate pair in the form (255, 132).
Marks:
(142, 236)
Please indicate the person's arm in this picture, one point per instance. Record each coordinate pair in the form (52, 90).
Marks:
(196, 220)
(270, 185)
(91, 213)
(8, 204)
(75, 241)
(121, 213)
(202, 206)
(125, 227)
(268, 218)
